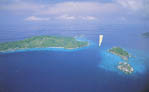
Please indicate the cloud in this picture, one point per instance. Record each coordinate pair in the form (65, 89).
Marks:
(72, 7)
(133, 5)
(88, 17)
(34, 18)
(146, 9)
(75, 8)
(80, 10)
(66, 17)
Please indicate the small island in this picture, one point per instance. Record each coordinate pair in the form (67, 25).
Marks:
(125, 67)
(146, 34)
(120, 52)
(43, 42)
(122, 66)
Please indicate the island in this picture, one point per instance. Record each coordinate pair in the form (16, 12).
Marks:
(120, 52)
(125, 67)
(122, 66)
(146, 34)
(43, 42)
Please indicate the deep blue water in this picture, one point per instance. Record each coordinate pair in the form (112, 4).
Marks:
(90, 69)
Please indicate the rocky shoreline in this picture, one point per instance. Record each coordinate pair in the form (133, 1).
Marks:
(122, 66)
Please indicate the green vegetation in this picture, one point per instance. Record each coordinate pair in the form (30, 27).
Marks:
(120, 52)
(123, 66)
(146, 34)
(43, 42)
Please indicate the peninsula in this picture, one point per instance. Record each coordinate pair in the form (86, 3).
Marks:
(43, 42)
(120, 52)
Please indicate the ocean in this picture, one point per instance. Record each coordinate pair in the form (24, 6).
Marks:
(90, 69)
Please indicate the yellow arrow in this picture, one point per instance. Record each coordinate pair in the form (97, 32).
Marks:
(100, 39)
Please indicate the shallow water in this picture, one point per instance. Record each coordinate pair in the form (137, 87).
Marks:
(90, 69)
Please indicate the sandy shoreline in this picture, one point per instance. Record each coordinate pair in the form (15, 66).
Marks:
(39, 48)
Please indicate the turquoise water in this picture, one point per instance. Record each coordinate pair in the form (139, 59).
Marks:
(110, 62)
(53, 48)
(89, 69)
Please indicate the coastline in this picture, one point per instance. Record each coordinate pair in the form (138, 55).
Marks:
(46, 49)
(125, 58)
(17, 49)
(111, 61)
(136, 60)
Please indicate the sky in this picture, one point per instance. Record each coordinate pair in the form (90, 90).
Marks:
(77, 11)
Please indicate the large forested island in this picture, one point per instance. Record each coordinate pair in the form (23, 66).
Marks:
(43, 42)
